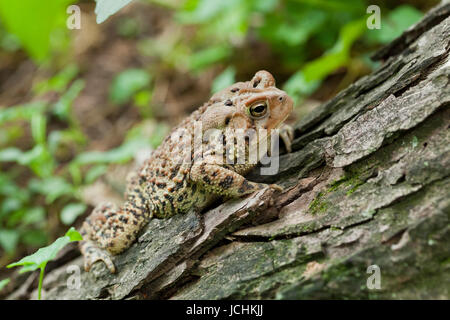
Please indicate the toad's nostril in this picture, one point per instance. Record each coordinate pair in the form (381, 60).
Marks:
(281, 98)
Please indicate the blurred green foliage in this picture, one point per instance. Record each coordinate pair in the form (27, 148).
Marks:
(4, 283)
(223, 80)
(53, 183)
(128, 83)
(305, 40)
(310, 39)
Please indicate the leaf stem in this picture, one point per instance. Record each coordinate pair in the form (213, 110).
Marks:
(41, 278)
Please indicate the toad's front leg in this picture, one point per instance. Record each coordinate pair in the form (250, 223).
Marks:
(286, 133)
(223, 181)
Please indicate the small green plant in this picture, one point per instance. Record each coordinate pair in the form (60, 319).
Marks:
(40, 258)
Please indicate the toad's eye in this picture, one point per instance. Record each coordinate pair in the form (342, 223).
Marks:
(258, 110)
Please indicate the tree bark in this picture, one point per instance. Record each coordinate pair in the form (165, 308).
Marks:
(367, 184)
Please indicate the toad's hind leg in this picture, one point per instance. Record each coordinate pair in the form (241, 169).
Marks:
(111, 230)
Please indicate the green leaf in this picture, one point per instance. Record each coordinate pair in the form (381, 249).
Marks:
(73, 235)
(75, 173)
(38, 128)
(140, 132)
(296, 29)
(34, 23)
(202, 10)
(34, 238)
(9, 239)
(159, 135)
(4, 283)
(10, 154)
(39, 160)
(265, 5)
(33, 216)
(207, 57)
(120, 154)
(128, 27)
(127, 83)
(142, 98)
(308, 79)
(23, 214)
(10, 205)
(95, 172)
(337, 56)
(297, 86)
(62, 108)
(68, 137)
(9, 42)
(105, 8)
(10, 134)
(21, 112)
(70, 212)
(28, 268)
(52, 187)
(59, 81)
(44, 255)
(10, 189)
(223, 80)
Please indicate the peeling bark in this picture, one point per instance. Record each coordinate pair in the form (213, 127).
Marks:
(367, 184)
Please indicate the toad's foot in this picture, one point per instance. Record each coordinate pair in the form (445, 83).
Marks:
(287, 135)
(92, 254)
(276, 187)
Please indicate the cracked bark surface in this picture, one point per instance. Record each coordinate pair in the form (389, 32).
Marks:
(367, 184)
